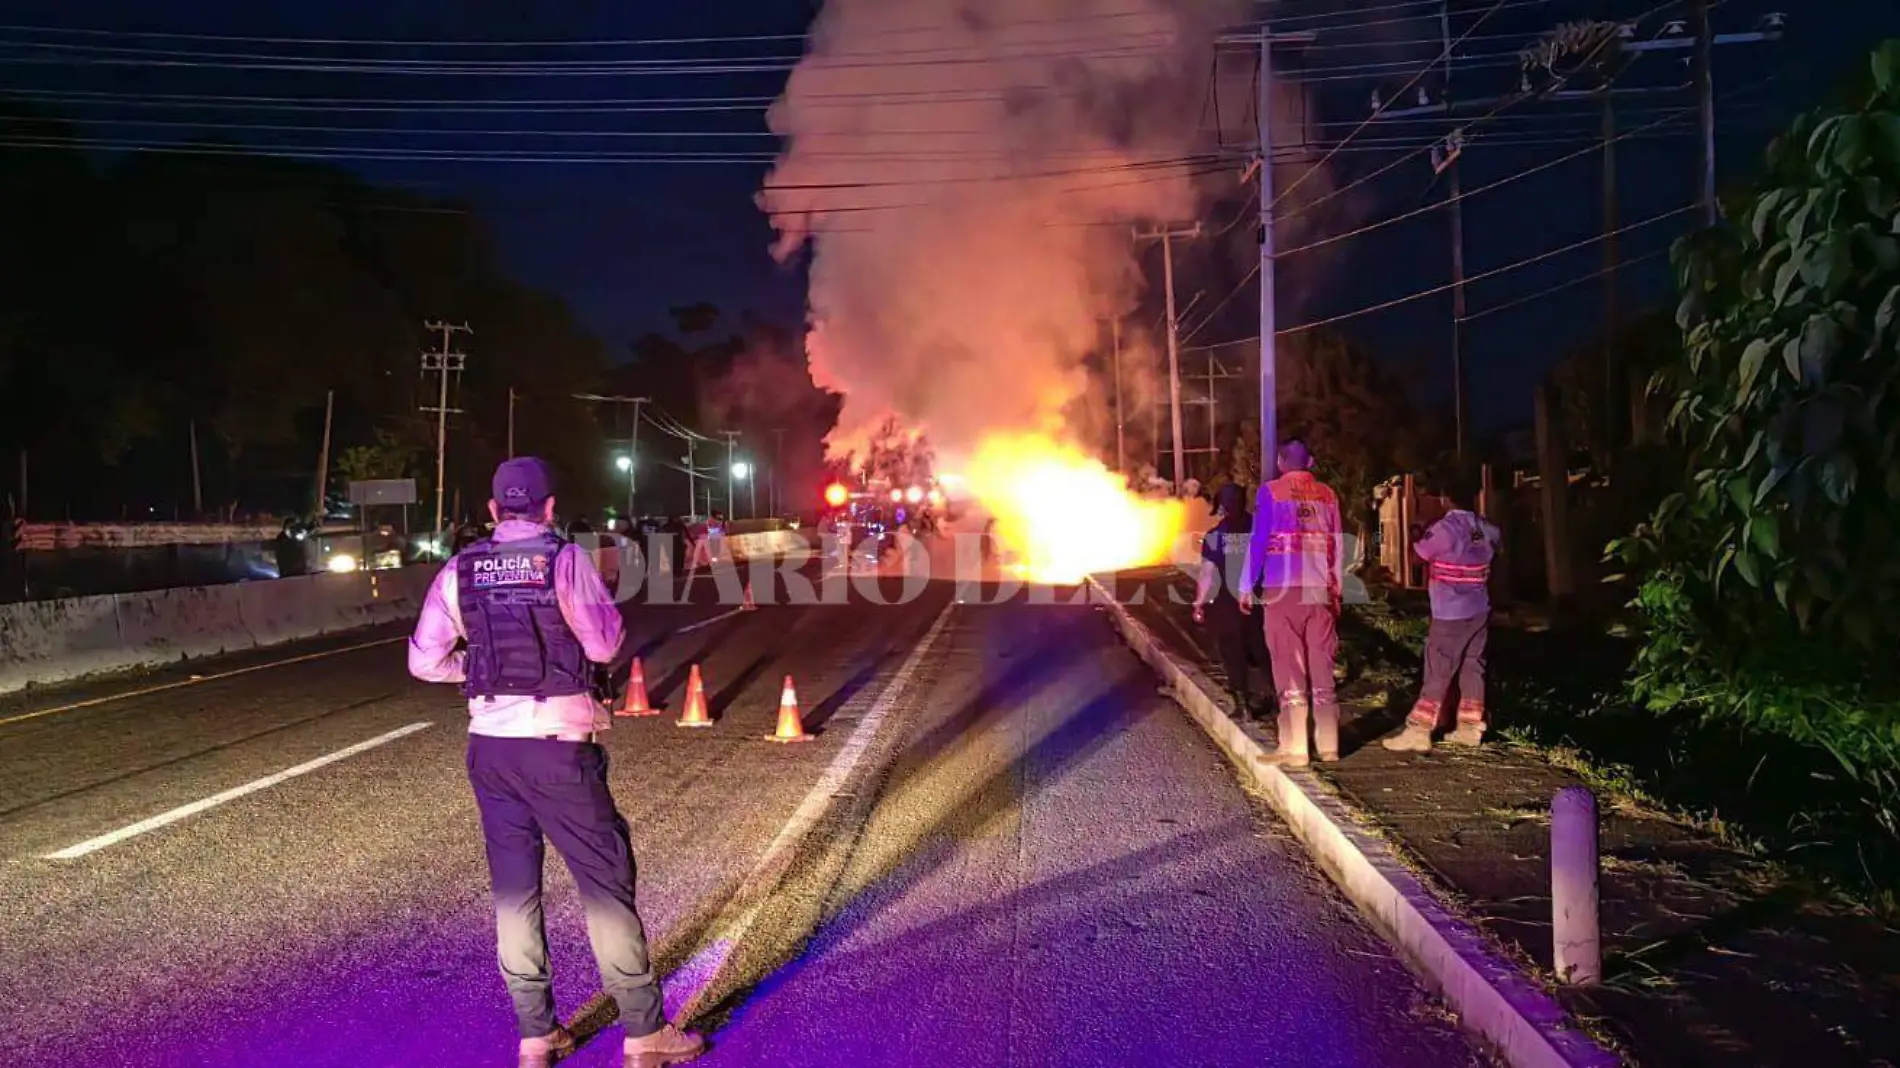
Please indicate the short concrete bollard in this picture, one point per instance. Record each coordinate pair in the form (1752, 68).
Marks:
(1578, 950)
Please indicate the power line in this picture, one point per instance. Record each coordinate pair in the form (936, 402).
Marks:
(1494, 272)
(1345, 22)
(1595, 147)
(1222, 303)
(1442, 57)
(971, 53)
(1577, 281)
(1431, 13)
(1502, 105)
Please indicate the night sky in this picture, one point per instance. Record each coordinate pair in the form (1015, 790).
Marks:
(623, 241)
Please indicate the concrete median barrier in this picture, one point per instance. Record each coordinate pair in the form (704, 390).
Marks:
(45, 642)
(194, 621)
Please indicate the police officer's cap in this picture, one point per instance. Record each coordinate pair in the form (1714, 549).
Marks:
(522, 484)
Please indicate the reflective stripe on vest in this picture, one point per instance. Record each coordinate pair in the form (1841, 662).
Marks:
(1301, 542)
(1461, 574)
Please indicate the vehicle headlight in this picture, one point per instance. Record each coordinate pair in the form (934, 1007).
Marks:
(341, 562)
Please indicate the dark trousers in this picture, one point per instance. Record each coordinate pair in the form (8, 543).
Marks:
(532, 791)
(1241, 645)
(1454, 649)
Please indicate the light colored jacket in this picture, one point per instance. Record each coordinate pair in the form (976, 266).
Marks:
(1459, 548)
(590, 613)
(1295, 544)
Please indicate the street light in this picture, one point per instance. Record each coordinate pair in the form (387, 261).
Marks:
(624, 462)
(742, 472)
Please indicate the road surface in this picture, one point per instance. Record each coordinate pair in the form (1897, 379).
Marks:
(1005, 848)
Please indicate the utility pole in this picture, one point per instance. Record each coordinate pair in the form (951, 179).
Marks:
(633, 442)
(197, 488)
(1264, 39)
(732, 445)
(1705, 105)
(1115, 354)
(1269, 322)
(1166, 237)
(1213, 408)
(443, 363)
(633, 461)
(511, 422)
(323, 456)
(1615, 397)
(692, 484)
(778, 456)
(1455, 192)
(1445, 157)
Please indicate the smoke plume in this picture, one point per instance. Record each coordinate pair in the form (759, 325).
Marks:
(964, 173)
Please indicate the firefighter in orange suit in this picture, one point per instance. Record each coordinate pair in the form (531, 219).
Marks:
(1293, 566)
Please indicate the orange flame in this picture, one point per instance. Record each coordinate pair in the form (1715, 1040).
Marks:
(1064, 514)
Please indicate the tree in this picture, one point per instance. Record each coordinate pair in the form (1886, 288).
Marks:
(1769, 575)
(389, 457)
(1356, 417)
(1786, 400)
(895, 456)
(241, 289)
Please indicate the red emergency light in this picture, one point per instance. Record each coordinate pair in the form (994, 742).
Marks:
(836, 495)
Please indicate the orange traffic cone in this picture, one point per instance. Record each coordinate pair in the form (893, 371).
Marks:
(695, 713)
(791, 726)
(634, 701)
(748, 606)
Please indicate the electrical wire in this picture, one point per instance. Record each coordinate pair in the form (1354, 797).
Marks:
(1450, 48)
(1345, 21)
(1559, 287)
(1504, 103)
(1431, 13)
(1222, 303)
(1507, 180)
(1222, 344)
(1494, 272)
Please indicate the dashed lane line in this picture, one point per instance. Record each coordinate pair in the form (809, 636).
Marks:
(164, 819)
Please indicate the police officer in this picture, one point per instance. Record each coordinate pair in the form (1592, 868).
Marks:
(537, 619)
(1216, 603)
(1293, 560)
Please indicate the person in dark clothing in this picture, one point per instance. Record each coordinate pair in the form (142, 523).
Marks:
(1216, 596)
(675, 535)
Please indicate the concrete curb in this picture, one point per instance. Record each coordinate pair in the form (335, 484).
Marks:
(1526, 1026)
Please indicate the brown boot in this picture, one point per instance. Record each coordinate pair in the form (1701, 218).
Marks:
(668, 1045)
(544, 1051)
(1413, 739)
(1470, 735)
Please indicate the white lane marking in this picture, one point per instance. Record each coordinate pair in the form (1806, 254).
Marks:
(196, 679)
(728, 614)
(742, 910)
(93, 845)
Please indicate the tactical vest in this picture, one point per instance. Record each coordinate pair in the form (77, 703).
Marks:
(519, 644)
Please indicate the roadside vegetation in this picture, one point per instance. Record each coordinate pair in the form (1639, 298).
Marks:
(1766, 638)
